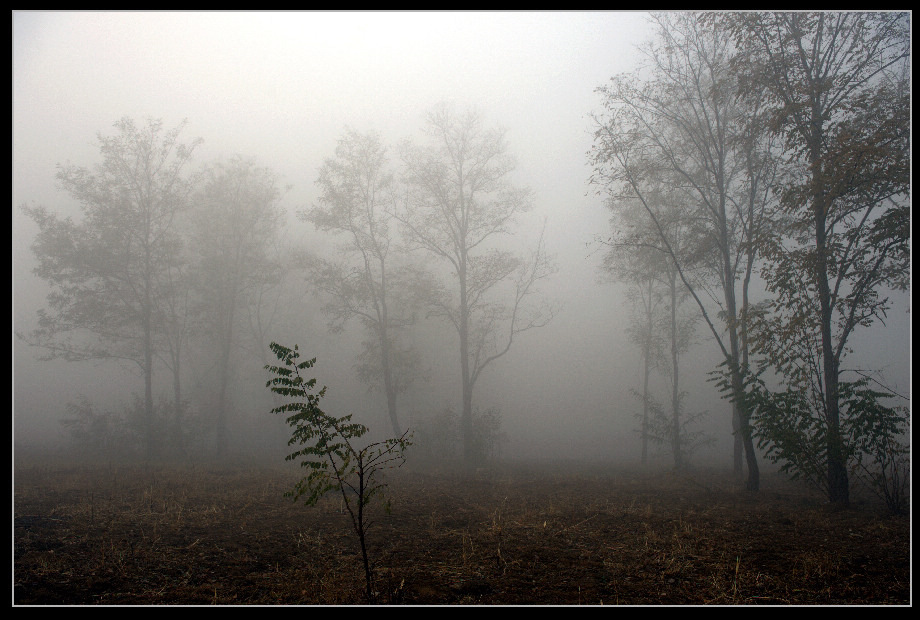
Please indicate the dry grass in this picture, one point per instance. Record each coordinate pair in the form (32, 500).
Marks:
(515, 535)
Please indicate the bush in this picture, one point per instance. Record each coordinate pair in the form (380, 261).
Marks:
(488, 438)
(887, 473)
(99, 433)
(437, 438)
(790, 426)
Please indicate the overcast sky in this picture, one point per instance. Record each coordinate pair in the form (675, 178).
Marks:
(281, 87)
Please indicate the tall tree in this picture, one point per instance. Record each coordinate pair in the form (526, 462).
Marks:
(107, 272)
(838, 93)
(638, 268)
(175, 300)
(637, 257)
(460, 201)
(357, 202)
(237, 217)
(678, 124)
(680, 329)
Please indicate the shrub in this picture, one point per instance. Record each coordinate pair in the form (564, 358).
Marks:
(327, 452)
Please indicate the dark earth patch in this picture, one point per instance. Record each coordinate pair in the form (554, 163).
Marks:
(556, 534)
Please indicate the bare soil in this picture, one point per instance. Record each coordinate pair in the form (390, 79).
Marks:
(551, 534)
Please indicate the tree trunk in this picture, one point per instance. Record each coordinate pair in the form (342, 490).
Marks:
(647, 354)
(645, 407)
(178, 443)
(224, 369)
(388, 386)
(737, 443)
(739, 414)
(466, 416)
(148, 348)
(838, 484)
(148, 389)
(675, 389)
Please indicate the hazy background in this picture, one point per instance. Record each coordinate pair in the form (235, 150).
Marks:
(281, 87)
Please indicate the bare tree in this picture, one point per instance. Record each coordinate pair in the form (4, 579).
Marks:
(175, 300)
(460, 201)
(236, 218)
(638, 263)
(109, 273)
(635, 256)
(358, 196)
(680, 123)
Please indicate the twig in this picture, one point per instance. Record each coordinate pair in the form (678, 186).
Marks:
(565, 529)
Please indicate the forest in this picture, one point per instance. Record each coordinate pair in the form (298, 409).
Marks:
(333, 402)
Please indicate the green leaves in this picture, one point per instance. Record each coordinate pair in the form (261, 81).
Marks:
(791, 426)
(326, 441)
(326, 450)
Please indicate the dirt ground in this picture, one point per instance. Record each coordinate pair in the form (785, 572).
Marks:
(551, 534)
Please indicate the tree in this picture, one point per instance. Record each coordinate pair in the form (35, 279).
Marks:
(680, 329)
(358, 196)
(640, 277)
(175, 300)
(636, 256)
(838, 94)
(327, 452)
(236, 219)
(460, 200)
(637, 261)
(678, 126)
(109, 272)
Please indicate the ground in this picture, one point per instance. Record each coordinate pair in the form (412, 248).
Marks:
(543, 534)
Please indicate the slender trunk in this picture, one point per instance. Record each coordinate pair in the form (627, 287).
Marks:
(645, 404)
(743, 416)
(361, 528)
(148, 350)
(737, 443)
(148, 386)
(647, 371)
(838, 484)
(744, 426)
(466, 420)
(466, 417)
(383, 323)
(177, 440)
(745, 304)
(675, 389)
(389, 386)
(391, 410)
(232, 291)
(224, 369)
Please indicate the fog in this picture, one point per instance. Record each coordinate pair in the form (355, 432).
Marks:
(281, 88)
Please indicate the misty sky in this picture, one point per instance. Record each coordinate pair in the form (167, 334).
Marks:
(281, 87)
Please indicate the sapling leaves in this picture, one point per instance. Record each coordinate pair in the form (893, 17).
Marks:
(325, 447)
